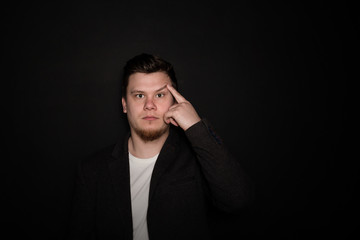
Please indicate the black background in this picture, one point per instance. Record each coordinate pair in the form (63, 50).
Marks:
(273, 79)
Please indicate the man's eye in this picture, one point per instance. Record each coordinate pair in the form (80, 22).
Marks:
(160, 95)
(139, 95)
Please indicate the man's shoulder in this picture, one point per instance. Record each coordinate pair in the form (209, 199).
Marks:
(98, 157)
(104, 151)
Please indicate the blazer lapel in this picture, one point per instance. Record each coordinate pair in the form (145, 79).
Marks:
(167, 154)
(120, 174)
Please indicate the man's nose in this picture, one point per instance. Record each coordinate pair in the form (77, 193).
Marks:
(149, 104)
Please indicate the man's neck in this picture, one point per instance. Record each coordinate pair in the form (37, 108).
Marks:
(145, 149)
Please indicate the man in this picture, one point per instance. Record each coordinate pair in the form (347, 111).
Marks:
(161, 180)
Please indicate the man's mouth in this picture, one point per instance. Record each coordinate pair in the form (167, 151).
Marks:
(150, 118)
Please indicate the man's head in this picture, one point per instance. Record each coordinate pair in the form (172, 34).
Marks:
(145, 97)
(146, 63)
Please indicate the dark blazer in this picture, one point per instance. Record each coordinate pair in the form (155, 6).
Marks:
(193, 170)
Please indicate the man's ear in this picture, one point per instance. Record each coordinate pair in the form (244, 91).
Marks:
(123, 102)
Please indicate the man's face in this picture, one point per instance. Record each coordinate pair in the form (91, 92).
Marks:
(147, 100)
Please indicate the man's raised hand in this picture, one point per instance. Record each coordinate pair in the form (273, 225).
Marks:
(181, 113)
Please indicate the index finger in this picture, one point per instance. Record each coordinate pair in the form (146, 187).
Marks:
(178, 97)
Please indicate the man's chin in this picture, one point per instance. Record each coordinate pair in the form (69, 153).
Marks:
(148, 135)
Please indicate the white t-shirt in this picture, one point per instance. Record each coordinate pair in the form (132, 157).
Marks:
(140, 176)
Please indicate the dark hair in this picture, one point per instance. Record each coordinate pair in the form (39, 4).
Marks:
(146, 63)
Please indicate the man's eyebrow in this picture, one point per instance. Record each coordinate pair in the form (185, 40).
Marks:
(136, 91)
(162, 88)
(140, 91)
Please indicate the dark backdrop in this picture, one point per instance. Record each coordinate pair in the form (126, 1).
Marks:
(272, 79)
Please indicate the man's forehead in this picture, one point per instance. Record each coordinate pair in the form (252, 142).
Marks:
(148, 82)
(157, 75)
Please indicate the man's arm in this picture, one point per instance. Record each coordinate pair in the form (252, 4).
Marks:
(228, 183)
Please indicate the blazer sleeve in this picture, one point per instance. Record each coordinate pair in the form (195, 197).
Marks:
(229, 185)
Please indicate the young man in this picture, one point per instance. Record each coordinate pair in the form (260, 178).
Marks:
(161, 180)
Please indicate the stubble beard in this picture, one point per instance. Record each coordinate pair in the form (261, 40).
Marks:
(150, 135)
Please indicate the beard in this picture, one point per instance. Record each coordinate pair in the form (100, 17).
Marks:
(148, 135)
